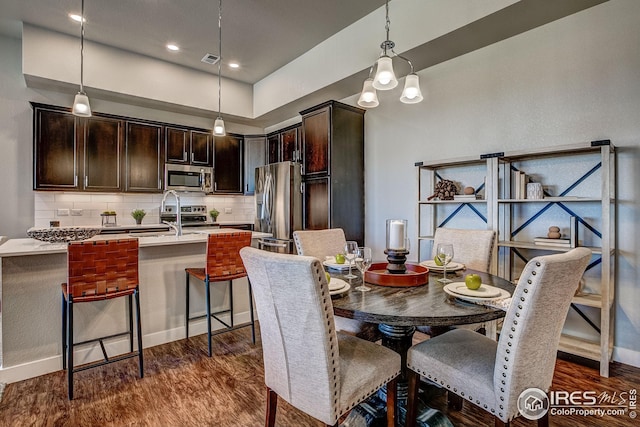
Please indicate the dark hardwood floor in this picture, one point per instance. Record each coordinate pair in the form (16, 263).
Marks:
(184, 387)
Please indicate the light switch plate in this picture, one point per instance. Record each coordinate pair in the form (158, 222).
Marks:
(228, 210)
(63, 212)
(76, 212)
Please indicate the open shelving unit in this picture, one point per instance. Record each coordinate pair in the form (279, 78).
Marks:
(578, 181)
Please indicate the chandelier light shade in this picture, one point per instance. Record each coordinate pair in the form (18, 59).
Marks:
(81, 105)
(411, 93)
(368, 97)
(385, 77)
(218, 126)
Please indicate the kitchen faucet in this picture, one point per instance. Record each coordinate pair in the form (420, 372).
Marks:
(177, 225)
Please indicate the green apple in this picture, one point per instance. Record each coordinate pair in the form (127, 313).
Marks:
(328, 276)
(437, 260)
(340, 259)
(473, 281)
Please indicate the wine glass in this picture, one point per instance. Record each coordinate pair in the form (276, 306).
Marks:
(350, 250)
(444, 253)
(363, 262)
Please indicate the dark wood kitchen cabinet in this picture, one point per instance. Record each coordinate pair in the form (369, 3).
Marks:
(55, 150)
(72, 153)
(333, 168)
(144, 157)
(228, 164)
(285, 145)
(188, 146)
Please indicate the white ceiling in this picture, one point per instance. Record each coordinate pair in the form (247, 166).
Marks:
(261, 35)
(264, 35)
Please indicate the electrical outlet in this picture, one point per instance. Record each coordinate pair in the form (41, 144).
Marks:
(63, 212)
(228, 210)
(76, 212)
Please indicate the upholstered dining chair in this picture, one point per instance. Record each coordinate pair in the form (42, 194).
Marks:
(329, 242)
(223, 264)
(473, 248)
(318, 370)
(97, 271)
(493, 374)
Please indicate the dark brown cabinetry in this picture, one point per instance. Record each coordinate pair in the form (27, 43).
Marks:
(188, 146)
(254, 156)
(144, 165)
(285, 145)
(102, 154)
(228, 159)
(333, 168)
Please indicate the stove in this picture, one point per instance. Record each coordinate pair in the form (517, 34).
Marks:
(196, 214)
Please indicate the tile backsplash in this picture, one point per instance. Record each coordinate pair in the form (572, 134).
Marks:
(85, 208)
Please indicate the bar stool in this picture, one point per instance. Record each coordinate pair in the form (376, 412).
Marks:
(97, 271)
(223, 264)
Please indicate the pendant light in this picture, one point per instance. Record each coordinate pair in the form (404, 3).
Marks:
(385, 77)
(81, 105)
(218, 125)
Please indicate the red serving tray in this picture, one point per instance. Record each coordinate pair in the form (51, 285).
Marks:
(416, 275)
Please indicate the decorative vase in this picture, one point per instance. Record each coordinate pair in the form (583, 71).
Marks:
(138, 221)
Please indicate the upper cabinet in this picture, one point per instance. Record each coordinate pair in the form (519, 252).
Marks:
(102, 154)
(144, 165)
(285, 145)
(228, 164)
(187, 146)
(254, 156)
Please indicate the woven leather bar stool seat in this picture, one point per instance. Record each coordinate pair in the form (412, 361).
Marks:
(223, 264)
(100, 270)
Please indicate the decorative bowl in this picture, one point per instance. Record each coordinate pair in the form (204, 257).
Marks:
(62, 234)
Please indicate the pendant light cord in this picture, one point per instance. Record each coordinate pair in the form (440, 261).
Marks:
(82, 49)
(220, 56)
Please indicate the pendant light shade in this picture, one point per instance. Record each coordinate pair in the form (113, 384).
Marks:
(368, 97)
(385, 77)
(81, 107)
(218, 127)
(411, 93)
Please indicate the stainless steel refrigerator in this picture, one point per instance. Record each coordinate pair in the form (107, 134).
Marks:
(278, 196)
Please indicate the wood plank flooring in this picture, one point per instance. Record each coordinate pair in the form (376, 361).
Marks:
(184, 387)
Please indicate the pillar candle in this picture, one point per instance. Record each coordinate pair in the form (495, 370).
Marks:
(396, 235)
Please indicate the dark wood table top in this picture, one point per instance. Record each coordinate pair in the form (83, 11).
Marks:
(426, 305)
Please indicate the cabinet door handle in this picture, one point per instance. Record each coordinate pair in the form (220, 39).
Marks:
(191, 157)
(159, 184)
(86, 181)
(75, 180)
(184, 156)
(215, 186)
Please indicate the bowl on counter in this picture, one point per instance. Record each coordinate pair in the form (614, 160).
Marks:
(62, 234)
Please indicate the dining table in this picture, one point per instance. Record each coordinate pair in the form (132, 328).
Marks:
(398, 311)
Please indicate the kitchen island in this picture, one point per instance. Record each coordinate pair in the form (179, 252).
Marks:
(31, 318)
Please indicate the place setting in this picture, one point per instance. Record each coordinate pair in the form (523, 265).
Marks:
(337, 286)
(473, 290)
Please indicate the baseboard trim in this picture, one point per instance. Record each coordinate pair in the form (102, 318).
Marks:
(626, 356)
(93, 353)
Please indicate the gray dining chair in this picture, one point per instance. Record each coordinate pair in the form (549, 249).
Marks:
(318, 370)
(493, 374)
(474, 249)
(329, 242)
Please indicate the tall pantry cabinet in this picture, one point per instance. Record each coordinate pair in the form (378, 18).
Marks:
(333, 168)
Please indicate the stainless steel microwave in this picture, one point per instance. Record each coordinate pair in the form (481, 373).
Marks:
(188, 178)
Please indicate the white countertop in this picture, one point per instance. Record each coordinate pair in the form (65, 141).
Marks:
(27, 246)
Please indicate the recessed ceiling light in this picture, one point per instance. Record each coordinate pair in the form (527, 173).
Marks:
(173, 47)
(77, 18)
(234, 65)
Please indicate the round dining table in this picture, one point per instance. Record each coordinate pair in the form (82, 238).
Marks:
(399, 310)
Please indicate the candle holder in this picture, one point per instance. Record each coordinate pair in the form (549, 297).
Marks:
(397, 249)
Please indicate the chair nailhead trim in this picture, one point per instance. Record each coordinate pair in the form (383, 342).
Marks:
(526, 291)
(537, 265)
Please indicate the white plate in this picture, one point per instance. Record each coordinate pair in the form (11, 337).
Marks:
(335, 266)
(431, 265)
(336, 284)
(484, 291)
(448, 289)
(341, 290)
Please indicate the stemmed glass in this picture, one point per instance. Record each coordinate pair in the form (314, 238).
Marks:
(350, 250)
(363, 262)
(444, 252)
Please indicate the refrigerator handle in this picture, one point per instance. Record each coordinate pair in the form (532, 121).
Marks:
(265, 197)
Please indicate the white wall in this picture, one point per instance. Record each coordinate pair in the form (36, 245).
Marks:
(574, 80)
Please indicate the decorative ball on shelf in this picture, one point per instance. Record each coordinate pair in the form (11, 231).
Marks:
(469, 190)
(554, 232)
